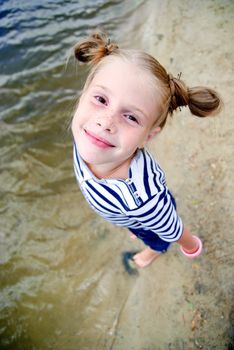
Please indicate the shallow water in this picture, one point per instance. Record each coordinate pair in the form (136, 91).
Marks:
(48, 288)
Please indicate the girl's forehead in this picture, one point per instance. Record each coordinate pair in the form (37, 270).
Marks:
(119, 66)
(119, 71)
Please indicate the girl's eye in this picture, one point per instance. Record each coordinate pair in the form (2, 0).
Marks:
(100, 99)
(131, 118)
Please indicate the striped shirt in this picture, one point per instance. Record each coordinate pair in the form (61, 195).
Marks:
(142, 201)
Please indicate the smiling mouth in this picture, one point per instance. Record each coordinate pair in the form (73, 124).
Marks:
(97, 140)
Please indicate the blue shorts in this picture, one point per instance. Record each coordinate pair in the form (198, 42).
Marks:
(150, 238)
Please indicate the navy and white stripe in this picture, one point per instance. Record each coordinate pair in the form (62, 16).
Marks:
(141, 201)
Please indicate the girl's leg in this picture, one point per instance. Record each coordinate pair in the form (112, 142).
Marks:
(145, 257)
(155, 247)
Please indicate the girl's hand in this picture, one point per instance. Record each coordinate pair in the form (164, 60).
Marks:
(194, 253)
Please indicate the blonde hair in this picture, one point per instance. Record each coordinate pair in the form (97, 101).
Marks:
(97, 50)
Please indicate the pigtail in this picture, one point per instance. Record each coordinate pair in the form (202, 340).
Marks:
(202, 101)
(94, 48)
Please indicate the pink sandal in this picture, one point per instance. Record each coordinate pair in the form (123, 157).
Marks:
(196, 253)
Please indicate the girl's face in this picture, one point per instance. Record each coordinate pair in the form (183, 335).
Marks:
(115, 116)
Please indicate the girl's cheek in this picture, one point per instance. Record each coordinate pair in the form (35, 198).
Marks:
(78, 115)
(75, 120)
(73, 124)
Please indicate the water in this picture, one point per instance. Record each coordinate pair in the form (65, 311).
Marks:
(51, 292)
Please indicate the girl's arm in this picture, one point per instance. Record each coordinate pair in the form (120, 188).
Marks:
(191, 245)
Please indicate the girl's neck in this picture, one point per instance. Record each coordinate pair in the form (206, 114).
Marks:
(115, 171)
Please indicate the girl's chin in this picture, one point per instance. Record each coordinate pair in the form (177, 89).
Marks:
(91, 158)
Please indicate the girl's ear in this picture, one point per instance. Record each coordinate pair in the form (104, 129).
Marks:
(153, 133)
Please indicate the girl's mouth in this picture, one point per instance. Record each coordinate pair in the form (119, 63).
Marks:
(97, 140)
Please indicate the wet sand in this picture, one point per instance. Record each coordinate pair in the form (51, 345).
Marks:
(178, 303)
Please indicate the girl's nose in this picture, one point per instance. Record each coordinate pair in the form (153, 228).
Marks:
(106, 123)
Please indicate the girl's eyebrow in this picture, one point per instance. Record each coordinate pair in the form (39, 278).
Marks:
(131, 107)
(102, 87)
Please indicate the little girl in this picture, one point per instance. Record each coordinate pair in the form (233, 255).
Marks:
(125, 102)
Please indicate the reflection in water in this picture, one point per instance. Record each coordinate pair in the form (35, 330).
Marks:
(51, 291)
